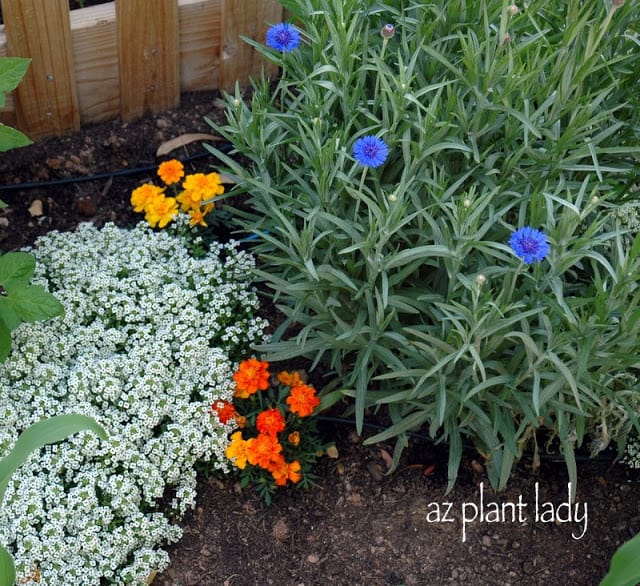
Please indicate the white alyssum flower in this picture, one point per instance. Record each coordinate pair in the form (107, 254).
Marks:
(149, 339)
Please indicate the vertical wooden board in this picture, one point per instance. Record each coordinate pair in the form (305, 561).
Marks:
(46, 100)
(149, 58)
(200, 44)
(249, 18)
(95, 53)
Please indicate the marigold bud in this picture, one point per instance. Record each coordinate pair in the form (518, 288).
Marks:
(388, 30)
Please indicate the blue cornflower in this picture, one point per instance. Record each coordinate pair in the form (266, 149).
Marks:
(529, 244)
(283, 37)
(370, 151)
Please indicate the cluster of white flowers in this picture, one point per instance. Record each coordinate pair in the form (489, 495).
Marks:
(149, 339)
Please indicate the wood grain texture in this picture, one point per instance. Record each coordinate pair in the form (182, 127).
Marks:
(46, 99)
(149, 59)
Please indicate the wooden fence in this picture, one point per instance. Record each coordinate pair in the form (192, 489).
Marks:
(125, 58)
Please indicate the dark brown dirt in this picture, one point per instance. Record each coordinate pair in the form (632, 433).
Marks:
(357, 526)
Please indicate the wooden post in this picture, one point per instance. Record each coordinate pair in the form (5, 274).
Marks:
(149, 57)
(46, 100)
(249, 18)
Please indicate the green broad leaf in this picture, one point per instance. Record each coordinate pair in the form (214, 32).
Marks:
(8, 317)
(5, 340)
(16, 268)
(625, 565)
(10, 138)
(7, 568)
(12, 70)
(41, 433)
(30, 303)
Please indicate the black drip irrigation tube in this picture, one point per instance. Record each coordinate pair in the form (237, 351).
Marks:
(105, 175)
(555, 458)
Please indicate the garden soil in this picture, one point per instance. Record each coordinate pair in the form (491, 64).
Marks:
(358, 525)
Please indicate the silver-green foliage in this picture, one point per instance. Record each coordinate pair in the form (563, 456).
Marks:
(400, 279)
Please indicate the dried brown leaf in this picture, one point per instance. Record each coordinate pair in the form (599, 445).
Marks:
(171, 145)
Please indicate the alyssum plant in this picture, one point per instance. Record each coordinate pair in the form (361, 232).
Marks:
(437, 191)
(150, 338)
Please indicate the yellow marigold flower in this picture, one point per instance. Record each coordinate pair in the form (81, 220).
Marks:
(141, 196)
(197, 216)
(171, 171)
(294, 438)
(160, 211)
(189, 200)
(290, 379)
(237, 450)
(302, 400)
(252, 376)
(203, 186)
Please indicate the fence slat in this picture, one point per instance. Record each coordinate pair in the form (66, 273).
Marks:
(46, 100)
(251, 19)
(200, 47)
(149, 56)
(95, 52)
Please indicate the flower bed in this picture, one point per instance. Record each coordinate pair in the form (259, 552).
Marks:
(149, 340)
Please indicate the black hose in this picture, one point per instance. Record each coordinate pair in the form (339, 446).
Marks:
(106, 175)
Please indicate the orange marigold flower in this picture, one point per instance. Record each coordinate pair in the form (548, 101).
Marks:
(160, 211)
(294, 438)
(290, 379)
(270, 422)
(252, 376)
(284, 471)
(143, 195)
(264, 451)
(171, 171)
(225, 411)
(303, 400)
(237, 450)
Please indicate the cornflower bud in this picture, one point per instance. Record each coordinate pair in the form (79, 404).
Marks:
(506, 39)
(513, 10)
(393, 197)
(594, 200)
(388, 30)
(480, 279)
(467, 203)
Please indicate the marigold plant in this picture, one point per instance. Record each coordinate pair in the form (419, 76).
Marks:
(193, 198)
(279, 441)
